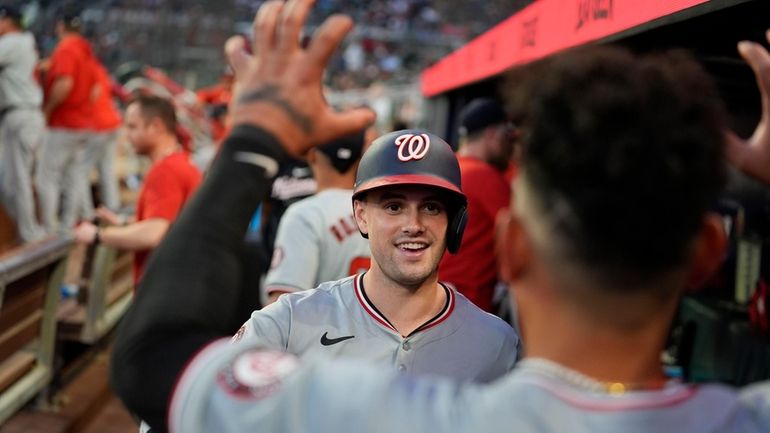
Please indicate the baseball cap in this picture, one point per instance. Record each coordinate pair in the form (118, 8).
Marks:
(10, 12)
(479, 114)
(344, 152)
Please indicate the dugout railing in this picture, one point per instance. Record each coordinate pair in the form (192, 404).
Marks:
(30, 277)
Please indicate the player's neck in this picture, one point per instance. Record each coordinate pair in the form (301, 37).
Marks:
(326, 181)
(612, 356)
(405, 308)
(474, 150)
(165, 147)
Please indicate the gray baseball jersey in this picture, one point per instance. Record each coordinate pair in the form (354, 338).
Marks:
(18, 57)
(337, 319)
(241, 388)
(317, 241)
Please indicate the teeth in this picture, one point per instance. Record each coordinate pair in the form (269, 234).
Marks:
(413, 245)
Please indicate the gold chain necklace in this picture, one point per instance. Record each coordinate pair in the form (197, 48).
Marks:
(580, 380)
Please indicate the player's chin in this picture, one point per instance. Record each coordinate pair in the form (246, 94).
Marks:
(414, 274)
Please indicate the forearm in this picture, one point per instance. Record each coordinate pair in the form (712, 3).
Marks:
(192, 286)
(138, 236)
(60, 89)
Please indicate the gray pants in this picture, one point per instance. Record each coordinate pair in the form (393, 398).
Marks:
(57, 179)
(21, 133)
(99, 153)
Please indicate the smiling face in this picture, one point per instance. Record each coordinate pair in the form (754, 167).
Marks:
(406, 225)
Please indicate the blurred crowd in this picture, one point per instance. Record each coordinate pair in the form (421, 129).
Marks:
(393, 40)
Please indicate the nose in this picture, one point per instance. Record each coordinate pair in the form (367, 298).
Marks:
(413, 224)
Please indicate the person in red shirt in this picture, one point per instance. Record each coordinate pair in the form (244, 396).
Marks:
(151, 128)
(68, 107)
(484, 155)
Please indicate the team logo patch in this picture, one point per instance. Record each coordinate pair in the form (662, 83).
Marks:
(257, 373)
(412, 147)
(277, 257)
(239, 335)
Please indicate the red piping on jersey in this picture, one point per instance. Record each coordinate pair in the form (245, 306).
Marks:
(367, 307)
(451, 295)
(358, 285)
(655, 399)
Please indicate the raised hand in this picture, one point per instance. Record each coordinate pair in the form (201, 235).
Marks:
(279, 87)
(752, 156)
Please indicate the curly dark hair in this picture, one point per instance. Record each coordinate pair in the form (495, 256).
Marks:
(632, 144)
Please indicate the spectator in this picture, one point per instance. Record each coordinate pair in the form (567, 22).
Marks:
(21, 125)
(484, 153)
(171, 180)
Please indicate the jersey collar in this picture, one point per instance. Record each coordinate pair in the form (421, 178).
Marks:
(380, 318)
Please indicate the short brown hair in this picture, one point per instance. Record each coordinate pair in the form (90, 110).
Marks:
(157, 107)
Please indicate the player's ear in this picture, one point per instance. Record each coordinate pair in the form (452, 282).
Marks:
(359, 212)
(708, 251)
(155, 124)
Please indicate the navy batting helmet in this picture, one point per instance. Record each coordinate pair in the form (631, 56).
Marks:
(415, 157)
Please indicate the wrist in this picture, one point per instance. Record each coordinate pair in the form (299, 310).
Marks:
(291, 136)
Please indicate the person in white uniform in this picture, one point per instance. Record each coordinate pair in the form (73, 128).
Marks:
(22, 126)
(317, 239)
(595, 310)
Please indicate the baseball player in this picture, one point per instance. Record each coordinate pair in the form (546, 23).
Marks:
(317, 238)
(595, 311)
(407, 201)
(22, 125)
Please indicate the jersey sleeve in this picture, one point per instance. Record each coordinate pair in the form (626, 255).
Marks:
(271, 325)
(225, 390)
(511, 351)
(295, 257)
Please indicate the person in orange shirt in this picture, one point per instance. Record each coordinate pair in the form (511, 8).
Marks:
(68, 108)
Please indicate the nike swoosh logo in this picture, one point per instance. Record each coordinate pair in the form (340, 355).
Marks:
(326, 341)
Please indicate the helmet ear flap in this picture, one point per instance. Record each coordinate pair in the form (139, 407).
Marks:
(455, 229)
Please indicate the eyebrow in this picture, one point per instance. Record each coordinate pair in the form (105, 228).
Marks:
(391, 196)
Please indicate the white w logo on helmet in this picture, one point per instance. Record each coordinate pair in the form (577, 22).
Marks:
(412, 147)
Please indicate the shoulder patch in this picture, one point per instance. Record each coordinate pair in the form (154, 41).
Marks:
(256, 373)
(277, 257)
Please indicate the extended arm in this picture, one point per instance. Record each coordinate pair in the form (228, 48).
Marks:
(192, 286)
